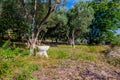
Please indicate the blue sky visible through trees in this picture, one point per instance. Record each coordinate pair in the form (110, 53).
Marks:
(70, 3)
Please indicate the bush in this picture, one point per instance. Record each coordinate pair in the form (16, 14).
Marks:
(116, 41)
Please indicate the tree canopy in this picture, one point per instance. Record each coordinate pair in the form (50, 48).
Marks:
(95, 21)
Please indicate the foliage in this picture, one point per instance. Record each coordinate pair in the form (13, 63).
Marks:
(79, 18)
(57, 22)
(116, 41)
(19, 20)
(12, 21)
(106, 21)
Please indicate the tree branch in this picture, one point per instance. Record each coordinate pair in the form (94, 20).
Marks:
(50, 10)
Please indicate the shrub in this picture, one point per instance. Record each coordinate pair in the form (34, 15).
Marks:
(116, 41)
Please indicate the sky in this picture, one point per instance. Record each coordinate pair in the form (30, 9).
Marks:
(70, 3)
(118, 31)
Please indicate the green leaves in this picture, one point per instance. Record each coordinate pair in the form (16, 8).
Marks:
(107, 17)
(80, 17)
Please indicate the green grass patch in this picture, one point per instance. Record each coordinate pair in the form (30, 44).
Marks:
(58, 54)
(85, 56)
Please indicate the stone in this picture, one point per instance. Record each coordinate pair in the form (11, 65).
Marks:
(114, 53)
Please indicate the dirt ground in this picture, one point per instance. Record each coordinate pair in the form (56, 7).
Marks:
(77, 70)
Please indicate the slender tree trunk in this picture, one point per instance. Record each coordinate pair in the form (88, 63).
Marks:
(32, 47)
(33, 39)
(71, 40)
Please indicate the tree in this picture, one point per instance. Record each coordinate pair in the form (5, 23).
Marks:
(37, 26)
(12, 19)
(57, 21)
(19, 15)
(106, 21)
(79, 18)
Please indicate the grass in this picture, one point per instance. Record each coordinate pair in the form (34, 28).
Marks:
(86, 48)
(17, 64)
(26, 73)
(58, 54)
(86, 56)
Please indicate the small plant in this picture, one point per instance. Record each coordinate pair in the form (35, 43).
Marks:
(26, 73)
(6, 45)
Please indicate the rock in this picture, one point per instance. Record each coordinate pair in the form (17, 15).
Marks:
(115, 53)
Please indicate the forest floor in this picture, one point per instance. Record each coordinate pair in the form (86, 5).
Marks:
(83, 63)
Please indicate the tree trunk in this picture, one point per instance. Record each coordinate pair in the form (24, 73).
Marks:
(71, 40)
(32, 48)
(32, 43)
(33, 39)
